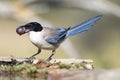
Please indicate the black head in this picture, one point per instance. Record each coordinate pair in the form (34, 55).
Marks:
(32, 26)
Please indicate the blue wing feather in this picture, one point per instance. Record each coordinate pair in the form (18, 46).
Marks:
(59, 36)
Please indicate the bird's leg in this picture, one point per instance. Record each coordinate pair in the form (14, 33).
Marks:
(32, 57)
(50, 57)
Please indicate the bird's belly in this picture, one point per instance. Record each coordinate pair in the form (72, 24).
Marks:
(41, 43)
(45, 45)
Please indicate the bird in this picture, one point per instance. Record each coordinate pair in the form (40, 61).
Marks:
(50, 38)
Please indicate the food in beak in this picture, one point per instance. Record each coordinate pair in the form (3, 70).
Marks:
(21, 30)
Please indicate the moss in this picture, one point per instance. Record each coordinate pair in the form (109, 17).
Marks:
(43, 71)
(31, 69)
(18, 68)
(66, 66)
(24, 68)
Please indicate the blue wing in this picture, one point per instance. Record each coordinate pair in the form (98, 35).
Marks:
(60, 35)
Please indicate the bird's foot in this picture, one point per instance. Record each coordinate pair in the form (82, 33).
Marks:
(48, 59)
(30, 59)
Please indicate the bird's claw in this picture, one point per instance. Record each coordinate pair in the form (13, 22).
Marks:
(30, 59)
(48, 59)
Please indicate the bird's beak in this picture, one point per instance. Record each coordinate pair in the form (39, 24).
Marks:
(21, 30)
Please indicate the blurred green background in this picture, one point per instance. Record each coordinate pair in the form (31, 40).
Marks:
(101, 43)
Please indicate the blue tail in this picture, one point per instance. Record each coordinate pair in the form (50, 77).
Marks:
(83, 27)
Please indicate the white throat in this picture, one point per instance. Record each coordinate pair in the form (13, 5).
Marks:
(35, 37)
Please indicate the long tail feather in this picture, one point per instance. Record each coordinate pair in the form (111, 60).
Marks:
(83, 27)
